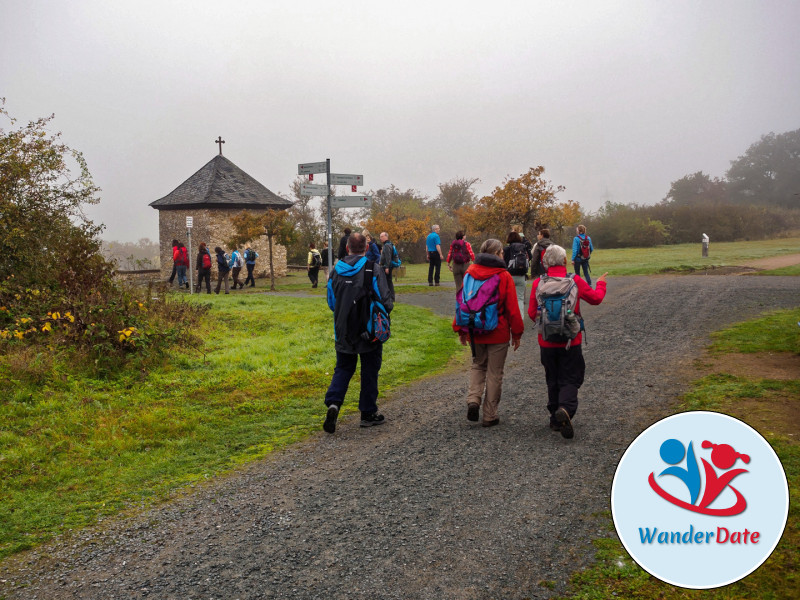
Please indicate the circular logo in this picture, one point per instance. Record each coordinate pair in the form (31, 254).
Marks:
(700, 500)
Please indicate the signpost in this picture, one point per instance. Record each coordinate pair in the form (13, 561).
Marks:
(337, 179)
(351, 201)
(189, 223)
(311, 189)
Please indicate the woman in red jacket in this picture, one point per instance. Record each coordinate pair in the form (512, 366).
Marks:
(491, 347)
(563, 363)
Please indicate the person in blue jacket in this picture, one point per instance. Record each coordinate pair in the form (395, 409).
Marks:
(373, 251)
(344, 287)
(581, 252)
(250, 257)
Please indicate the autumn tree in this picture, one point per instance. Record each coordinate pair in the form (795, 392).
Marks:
(561, 216)
(305, 219)
(404, 215)
(274, 224)
(524, 200)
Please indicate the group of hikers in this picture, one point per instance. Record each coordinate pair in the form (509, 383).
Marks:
(228, 266)
(488, 316)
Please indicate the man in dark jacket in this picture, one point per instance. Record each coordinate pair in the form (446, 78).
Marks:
(387, 253)
(342, 251)
(343, 288)
(537, 269)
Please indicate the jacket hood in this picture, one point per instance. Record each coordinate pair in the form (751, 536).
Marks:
(486, 265)
(350, 265)
(490, 260)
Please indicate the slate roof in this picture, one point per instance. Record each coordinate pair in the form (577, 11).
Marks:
(220, 184)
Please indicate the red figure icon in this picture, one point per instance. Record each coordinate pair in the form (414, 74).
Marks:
(724, 457)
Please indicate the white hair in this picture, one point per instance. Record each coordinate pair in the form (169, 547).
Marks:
(554, 256)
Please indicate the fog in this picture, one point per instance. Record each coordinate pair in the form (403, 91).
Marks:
(615, 99)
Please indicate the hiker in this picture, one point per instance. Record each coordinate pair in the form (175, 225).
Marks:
(250, 257)
(203, 268)
(517, 257)
(458, 258)
(345, 286)
(387, 261)
(342, 252)
(175, 259)
(313, 264)
(490, 346)
(373, 251)
(223, 269)
(581, 252)
(181, 265)
(327, 258)
(433, 247)
(236, 264)
(543, 241)
(555, 303)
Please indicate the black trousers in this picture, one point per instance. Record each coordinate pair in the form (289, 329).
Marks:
(174, 271)
(250, 277)
(434, 266)
(563, 371)
(203, 274)
(313, 275)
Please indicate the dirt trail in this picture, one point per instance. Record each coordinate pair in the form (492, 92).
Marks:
(426, 506)
(774, 262)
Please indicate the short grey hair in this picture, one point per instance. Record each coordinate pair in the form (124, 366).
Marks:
(554, 256)
(491, 246)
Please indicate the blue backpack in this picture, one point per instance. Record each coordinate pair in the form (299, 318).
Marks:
(368, 318)
(396, 262)
(477, 306)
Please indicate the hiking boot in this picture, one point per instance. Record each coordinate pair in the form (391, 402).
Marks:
(330, 418)
(555, 426)
(491, 423)
(472, 412)
(370, 419)
(562, 417)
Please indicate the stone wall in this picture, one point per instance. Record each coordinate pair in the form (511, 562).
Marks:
(212, 226)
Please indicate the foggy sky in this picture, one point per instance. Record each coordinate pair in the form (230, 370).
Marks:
(615, 99)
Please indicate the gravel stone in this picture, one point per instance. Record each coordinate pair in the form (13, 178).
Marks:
(427, 506)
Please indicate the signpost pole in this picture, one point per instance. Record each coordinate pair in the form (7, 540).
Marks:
(330, 232)
(189, 223)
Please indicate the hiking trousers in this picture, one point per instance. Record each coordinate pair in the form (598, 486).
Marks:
(487, 374)
(458, 273)
(235, 276)
(222, 276)
(250, 279)
(344, 371)
(563, 371)
(519, 286)
(579, 262)
(434, 267)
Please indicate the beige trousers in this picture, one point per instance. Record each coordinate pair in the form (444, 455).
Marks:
(487, 373)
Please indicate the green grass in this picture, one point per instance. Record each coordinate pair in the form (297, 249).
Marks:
(791, 270)
(616, 575)
(687, 257)
(74, 448)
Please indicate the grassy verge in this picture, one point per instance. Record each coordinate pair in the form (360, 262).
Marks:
(792, 270)
(73, 448)
(775, 401)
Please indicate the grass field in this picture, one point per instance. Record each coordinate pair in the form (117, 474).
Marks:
(775, 402)
(73, 448)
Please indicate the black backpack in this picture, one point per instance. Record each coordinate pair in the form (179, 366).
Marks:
(316, 259)
(518, 262)
(367, 318)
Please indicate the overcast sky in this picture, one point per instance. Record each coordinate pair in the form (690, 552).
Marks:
(616, 99)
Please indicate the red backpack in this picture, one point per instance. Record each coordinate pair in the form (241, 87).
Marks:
(206, 260)
(586, 247)
(460, 255)
(183, 257)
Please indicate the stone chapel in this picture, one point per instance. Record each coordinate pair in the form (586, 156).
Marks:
(217, 192)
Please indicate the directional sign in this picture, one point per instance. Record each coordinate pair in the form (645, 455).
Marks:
(337, 179)
(351, 201)
(311, 189)
(189, 222)
(316, 167)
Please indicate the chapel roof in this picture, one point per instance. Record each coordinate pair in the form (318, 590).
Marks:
(220, 184)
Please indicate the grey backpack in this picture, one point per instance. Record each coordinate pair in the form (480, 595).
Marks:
(556, 298)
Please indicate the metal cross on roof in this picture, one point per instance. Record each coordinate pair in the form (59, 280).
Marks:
(220, 141)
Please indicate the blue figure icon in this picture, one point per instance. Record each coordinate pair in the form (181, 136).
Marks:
(672, 452)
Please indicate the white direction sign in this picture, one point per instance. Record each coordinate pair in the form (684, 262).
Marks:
(315, 167)
(339, 179)
(312, 189)
(351, 201)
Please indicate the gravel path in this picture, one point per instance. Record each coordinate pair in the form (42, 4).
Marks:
(426, 506)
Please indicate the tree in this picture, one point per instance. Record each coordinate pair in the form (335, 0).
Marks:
(523, 200)
(560, 216)
(697, 188)
(769, 172)
(306, 221)
(402, 214)
(46, 238)
(275, 224)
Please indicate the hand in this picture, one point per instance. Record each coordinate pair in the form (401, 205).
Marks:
(515, 343)
(603, 277)
(463, 338)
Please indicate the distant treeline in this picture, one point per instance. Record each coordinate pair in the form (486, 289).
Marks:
(759, 197)
(133, 256)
